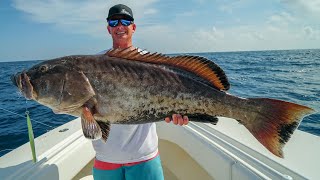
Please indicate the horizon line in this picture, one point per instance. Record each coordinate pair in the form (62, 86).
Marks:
(174, 53)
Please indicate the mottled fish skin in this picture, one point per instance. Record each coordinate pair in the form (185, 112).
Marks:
(128, 92)
(103, 90)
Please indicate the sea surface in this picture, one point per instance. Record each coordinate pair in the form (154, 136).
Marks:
(291, 75)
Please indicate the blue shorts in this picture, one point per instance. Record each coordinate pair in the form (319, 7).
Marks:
(149, 170)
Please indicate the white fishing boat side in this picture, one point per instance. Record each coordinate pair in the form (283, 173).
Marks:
(205, 151)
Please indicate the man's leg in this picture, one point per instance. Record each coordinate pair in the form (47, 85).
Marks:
(115, 174)
(150, 170)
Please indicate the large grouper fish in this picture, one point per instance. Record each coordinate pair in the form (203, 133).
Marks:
(125, 86)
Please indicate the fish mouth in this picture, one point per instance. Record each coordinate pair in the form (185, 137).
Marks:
(22, 81)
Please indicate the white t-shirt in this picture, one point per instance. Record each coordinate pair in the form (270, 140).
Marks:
(127, 143)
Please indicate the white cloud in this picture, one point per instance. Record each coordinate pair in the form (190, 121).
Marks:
(311, 33)
(306, 8)
(289, 26)
(212, 34)
(86, 16)
(282, 30)
(226, 8)
(254, 37)
(281, 19)
(150, 11)
(230, 6)
(308, 31)
(187, 14)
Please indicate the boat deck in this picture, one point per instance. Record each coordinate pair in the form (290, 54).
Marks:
(197, 151)
(175, 163)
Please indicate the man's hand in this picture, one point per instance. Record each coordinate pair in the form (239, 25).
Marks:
(177, 119)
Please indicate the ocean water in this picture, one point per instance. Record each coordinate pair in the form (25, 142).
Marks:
(291, 75)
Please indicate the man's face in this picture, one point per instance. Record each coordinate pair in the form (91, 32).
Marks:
(121, 32)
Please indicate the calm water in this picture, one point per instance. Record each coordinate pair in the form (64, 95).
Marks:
(292, 75)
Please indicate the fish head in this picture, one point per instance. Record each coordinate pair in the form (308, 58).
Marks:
(57, 84)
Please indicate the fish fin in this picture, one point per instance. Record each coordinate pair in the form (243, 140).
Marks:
(105, 129)
(200, 66)
(90, 127)
(69, 96)
(204, 118)
(276, 122)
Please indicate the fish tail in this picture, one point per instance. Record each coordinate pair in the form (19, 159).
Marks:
(275, 122)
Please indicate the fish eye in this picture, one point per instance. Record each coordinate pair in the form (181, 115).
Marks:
(43, 68)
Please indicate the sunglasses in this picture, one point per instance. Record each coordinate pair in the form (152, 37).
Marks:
(124, 22)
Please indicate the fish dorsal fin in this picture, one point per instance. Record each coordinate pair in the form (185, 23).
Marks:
(200, 66)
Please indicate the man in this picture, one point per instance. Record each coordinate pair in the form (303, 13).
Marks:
(131, 151)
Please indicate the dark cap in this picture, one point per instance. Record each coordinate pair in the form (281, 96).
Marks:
(120, 9)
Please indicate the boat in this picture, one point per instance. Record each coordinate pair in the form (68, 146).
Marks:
(195, 151)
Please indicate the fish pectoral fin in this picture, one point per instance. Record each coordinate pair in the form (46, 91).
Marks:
(204, 118)
(90, 127)
(105, 129)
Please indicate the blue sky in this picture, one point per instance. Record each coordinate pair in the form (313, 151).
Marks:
(38, 29)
